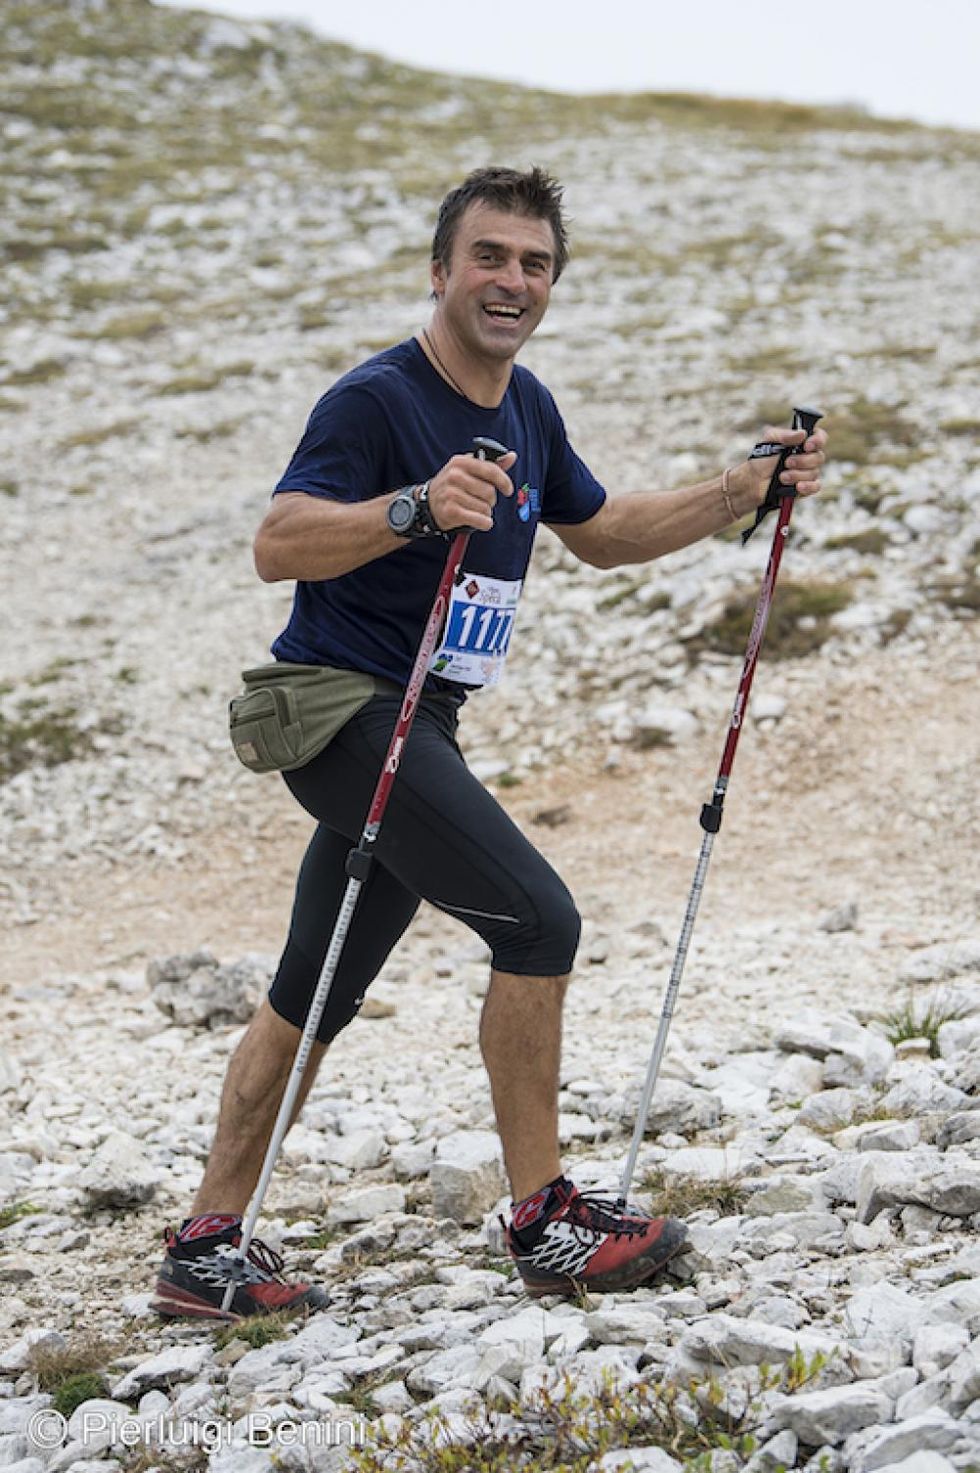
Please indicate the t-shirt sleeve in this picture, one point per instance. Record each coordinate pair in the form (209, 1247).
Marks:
(572, 493)
(343, 451)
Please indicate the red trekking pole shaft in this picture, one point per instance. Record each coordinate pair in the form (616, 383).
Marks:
(781, 499)
(358, 867)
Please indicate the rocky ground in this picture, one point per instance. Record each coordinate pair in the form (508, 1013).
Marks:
(208, 223)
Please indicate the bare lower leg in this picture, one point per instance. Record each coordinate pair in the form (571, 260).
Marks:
(520, 1036)
(253, 1090)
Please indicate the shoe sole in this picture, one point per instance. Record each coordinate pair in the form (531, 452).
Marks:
(631, 1276)
(173, 1303)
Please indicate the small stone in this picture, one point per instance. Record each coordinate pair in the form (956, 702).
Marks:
(119, 1174)
(365, 1203)
(936, 1346)
(831, 1415)
(919, 1049)
(467, 1175)
(177, 1363)
(841, 918)
(11, 1074)
(196, 991)
(638, 1460)
(883, 1310)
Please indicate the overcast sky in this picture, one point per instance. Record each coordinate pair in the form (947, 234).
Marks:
(900, 58)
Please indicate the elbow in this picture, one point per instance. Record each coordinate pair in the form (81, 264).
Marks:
(264, 559)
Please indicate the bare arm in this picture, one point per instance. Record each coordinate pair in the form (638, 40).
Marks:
(312, 538)
(643, 525)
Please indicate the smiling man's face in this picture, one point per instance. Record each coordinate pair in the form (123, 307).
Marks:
(497, 286)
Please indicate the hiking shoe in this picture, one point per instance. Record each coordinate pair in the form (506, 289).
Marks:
(198, 1265)
(563, 1240)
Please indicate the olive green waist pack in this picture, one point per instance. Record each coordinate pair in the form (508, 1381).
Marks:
(288, 713)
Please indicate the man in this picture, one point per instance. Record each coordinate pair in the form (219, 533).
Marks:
(383, 470)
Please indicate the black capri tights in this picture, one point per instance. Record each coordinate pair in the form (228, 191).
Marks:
(444, 839)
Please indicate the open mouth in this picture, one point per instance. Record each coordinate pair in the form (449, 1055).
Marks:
(500, 312)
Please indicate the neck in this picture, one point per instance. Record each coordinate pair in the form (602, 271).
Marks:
(482, 382)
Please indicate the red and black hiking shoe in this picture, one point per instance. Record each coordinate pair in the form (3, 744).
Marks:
(563, 1240)
(198, 1266)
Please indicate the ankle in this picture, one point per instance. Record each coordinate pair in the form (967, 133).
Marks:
(207, 1225)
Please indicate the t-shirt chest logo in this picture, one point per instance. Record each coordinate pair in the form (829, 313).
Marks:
(528, 502)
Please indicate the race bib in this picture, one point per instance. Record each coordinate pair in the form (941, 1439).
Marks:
(478, 629)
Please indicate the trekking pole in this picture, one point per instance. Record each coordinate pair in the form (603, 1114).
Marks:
(781, 498)
(358, 868)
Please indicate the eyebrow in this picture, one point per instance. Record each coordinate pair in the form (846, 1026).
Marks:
(496, 245)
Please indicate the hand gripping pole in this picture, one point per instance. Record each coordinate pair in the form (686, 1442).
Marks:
(358, 868)
(781, 499)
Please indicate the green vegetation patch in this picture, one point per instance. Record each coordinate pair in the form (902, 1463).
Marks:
(872, 541)
(799, 621)
(142, 324)
(100, 433)
(868, 431)
(41, 372)
(255, 1331)
(41, 735)
(14, 1211)
(919, 1020)
(960, 592)
(679, 1196)
(72, 1373)
(199, 381)
(565, 1430)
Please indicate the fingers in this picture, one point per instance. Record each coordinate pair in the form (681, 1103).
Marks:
(464, 492)
(802, 468)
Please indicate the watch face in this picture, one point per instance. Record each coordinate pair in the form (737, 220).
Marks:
(401, 513)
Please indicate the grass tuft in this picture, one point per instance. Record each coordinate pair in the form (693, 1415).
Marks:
(799, 621)
(14, 1211)
(73, 1373)
(912, 1020)
(566, 1430)
(257, 1330)
(679, 1196)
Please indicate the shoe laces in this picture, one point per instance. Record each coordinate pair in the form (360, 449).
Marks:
(604, 1214)
(264, 1258)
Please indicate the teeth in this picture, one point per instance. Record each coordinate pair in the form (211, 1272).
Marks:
(498, 311)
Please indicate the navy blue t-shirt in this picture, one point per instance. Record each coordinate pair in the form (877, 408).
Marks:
(393, 422)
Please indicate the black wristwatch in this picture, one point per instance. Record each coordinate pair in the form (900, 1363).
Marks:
(409, 514)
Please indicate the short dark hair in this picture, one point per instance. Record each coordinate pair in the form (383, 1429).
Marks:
(532, 193)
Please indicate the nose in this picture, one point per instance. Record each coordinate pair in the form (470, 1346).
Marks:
(510, 276)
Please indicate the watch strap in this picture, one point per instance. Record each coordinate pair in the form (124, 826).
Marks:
(425, 524)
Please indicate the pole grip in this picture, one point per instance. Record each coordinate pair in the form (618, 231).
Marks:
(776, 492)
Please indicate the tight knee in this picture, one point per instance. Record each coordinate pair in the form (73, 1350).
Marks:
(545, 943)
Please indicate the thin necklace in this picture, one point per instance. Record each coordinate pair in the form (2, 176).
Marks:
(445, 371)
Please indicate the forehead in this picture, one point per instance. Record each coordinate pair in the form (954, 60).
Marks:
(522, 233)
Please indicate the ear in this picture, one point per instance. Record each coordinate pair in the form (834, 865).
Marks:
(437, 277)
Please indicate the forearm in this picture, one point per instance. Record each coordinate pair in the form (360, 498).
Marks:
(642, 525)
(309, 538)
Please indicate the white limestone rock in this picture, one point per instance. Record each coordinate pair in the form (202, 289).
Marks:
(936, 1346)
(176, 1363)
(364, 1204)
(197, 991)
(931, 1432)
(884, 1310)
(950, 1184)
(17, 1356)
(831, 1415)
(467, 1175)
(943, 962)
(119, 1174)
